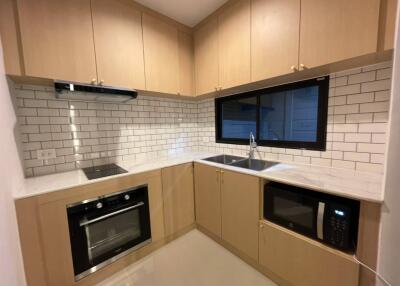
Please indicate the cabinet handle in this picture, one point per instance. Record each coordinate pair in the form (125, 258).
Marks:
(222, 176)
(101, 82)
(293, 68)
(302, 66)
(93, 81)
(217, 171)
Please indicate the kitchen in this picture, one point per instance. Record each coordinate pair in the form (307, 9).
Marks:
(258, 128)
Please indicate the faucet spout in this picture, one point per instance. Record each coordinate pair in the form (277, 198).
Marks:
(252, 146)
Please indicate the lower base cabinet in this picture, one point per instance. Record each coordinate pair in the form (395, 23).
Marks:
(304, 262)
(178, 197)
(240, 206)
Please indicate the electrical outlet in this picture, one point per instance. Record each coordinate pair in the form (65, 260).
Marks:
(46, 154)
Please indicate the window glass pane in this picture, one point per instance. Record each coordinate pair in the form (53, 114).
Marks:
(239, 118)
(290, 115)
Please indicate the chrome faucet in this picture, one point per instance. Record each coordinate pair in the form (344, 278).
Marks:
(252, 146)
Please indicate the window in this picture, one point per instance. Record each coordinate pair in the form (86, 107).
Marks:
(289, 116)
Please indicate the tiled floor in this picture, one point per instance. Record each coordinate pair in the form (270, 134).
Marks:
(191, 260)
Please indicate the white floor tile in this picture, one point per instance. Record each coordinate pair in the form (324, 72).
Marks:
(192, 260)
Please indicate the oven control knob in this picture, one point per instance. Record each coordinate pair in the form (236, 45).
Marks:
(127, 197)
(99, 205)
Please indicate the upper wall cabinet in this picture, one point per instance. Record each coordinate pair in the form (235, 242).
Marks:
(206, 57)
(274, 37)
(119, 45)
(390, 23)
(186, 64)
(331, 31)
(160, 55)
(234, 44)
(57, 39)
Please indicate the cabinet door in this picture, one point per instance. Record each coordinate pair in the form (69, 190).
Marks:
(160, 55)
(390, 23)
(208, 198)
(119, 46)
(206, 57)
(240, 211)
(331, 31)
(57, 39)
(186, 64)
(302, 261)
(178, 195)
(234, 44)
(274, 37)
(9, 38)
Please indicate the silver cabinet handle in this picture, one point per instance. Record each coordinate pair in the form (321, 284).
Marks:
(83, 223)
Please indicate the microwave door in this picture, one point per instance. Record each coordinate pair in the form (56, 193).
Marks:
(291, 210)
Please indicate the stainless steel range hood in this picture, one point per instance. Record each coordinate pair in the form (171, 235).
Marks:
(78, 91)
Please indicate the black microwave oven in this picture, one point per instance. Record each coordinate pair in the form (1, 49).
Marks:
(330, 219)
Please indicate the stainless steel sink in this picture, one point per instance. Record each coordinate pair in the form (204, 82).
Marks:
(225, 159)
(241, 162)
(254, 164)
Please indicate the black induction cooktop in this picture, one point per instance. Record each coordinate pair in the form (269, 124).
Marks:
(103, 171)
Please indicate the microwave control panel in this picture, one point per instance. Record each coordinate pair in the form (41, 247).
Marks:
(338, 228)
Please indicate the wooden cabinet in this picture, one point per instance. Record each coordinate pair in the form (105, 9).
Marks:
(302, 261)
(240, 211)
(178, 197)
(206, 57)
(390, 23)
(186, 64)
(332, 31)
(208, 197)
(9, 37)
(274, 37)
(117, 31)
(227, 205)
(57, 39)
(234, 44)
(160, 55)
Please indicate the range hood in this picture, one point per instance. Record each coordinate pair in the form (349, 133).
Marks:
(78, 91)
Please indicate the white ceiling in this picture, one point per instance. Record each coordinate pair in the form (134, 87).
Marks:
(188, 12)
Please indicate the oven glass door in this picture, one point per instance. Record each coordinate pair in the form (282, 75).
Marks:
(291, 209)
(109, 234)
(100, 236)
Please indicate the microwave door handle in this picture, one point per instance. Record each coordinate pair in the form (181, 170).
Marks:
(320, 220)
(87, 222)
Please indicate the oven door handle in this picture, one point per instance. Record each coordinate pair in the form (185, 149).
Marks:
(83, 223)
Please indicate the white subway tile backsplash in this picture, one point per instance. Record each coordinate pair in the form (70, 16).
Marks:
(362, 77)
(360, 98)
(376, 85)
(90, 133)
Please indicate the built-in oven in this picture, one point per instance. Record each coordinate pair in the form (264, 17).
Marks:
(324, 217)
(106, 228)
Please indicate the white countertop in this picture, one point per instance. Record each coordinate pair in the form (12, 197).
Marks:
(341, 182)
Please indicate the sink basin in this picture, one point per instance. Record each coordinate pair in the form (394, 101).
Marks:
(241, 162)
(225, 159)
(253, 164)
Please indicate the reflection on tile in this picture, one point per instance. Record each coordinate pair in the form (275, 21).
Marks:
(191, 260)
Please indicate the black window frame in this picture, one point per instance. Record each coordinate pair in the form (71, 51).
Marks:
(322, 123)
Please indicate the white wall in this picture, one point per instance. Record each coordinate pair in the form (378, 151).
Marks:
(389, 251)
(11, 177)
